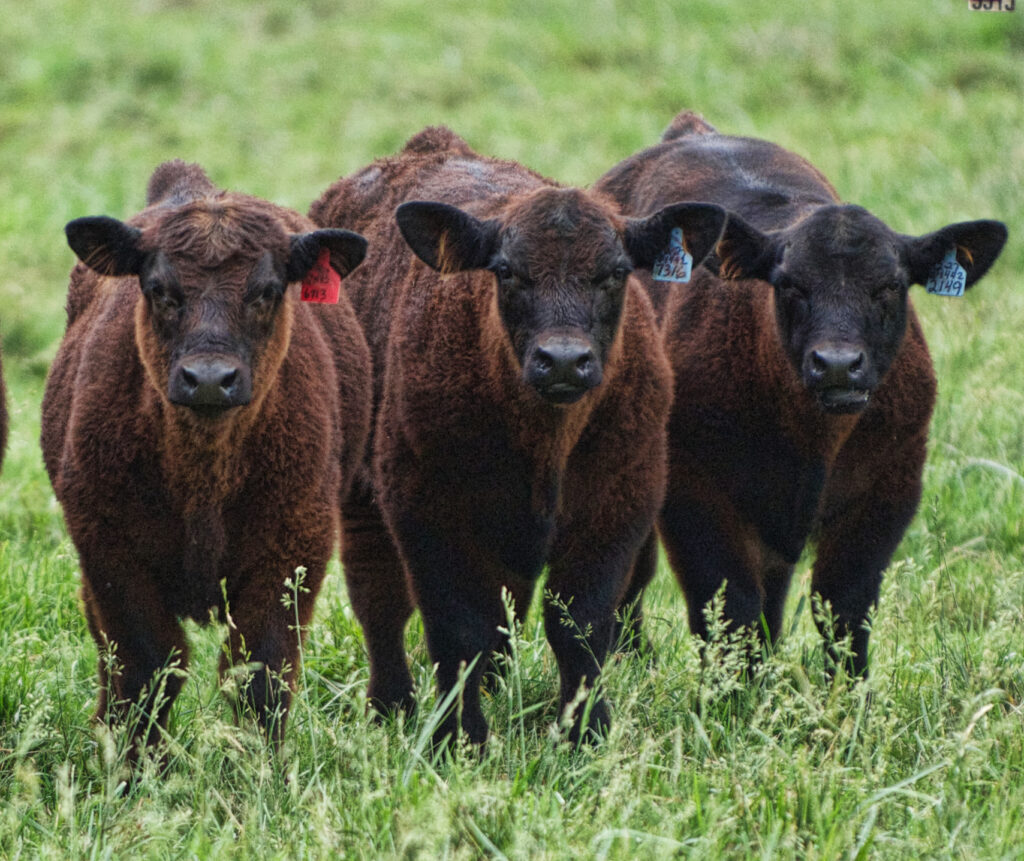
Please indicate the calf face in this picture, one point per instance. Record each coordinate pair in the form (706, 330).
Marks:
(213, 277)
(561, 260)
(841, 279)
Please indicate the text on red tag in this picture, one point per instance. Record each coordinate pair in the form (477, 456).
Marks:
(322, 284)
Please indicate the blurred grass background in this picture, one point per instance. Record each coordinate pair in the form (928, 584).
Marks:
(914, 110)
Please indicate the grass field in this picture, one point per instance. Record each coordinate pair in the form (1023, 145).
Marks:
(915, 110)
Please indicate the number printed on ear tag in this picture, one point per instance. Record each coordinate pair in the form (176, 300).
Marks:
(675, 263)
(322, 284)
(949, 277)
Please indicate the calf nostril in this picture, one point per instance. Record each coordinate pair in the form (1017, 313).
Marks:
(191, 380)
(228, 380)
(857, 364)
(583, 362)
(543, 360)
(818, 362)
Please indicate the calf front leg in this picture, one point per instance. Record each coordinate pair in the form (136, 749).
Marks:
(860, 530)
(142, 647)
(854, 549)
(587, 578)
(269, 610)
(628, 634)
(706, 548)
(462, 612)
(579, 620)
(380, 599)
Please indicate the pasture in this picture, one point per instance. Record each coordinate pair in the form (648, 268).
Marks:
(915, 111)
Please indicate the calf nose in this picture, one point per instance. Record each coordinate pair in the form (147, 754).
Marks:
(210, 383)
(837, 367)
(562, 368)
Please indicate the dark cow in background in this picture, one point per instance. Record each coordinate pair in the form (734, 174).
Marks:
(803, 385)
(521, 398)
(199, 426)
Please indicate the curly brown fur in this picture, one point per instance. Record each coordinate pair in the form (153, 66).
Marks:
(195, 509)
(479, 477)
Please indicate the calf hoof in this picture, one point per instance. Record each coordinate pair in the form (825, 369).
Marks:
(446, 736)
(634, 644)
(391, 705)
(590, 727)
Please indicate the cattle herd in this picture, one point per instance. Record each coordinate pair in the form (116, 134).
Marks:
(706, 347)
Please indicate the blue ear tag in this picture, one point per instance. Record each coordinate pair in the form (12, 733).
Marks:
(949, 277)
(675, 263)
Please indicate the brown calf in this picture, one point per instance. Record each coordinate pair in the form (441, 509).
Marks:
(804, 387)
(521, 396)
(199, 426)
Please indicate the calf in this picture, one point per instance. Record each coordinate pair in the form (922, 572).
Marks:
(803, 385)
(521, 397)
(199, 426)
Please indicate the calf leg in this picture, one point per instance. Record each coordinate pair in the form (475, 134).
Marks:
(380, 598)
(268, 618)
(627, 635)
(462, 611)
(856, 543)
(579, 619)
(777, 575)
(133, 629)
(521, 593)
(96, 631)
(705, 544)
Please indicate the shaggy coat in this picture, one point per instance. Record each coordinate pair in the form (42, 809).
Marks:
(199, 427)
(521, 396)
(803, 384)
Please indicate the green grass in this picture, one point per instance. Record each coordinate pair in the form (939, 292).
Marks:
(915, 110)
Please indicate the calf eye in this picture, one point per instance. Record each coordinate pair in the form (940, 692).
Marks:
(503, 271)
(260, 299)
(165, 302)
(612, 279)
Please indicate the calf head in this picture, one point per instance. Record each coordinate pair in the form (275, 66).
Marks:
(213, 274)
(841, 279)
(560, 260)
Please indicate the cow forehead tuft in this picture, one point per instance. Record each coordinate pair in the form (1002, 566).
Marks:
(210, 231)
(847, 233)
(567, 213)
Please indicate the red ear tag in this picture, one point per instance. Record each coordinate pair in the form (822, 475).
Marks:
(322, 284)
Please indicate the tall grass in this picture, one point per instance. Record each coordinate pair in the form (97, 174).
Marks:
(913, 110)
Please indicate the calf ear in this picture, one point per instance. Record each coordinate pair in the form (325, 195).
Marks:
(648, 238)
(745, 252)
(106, 245)
(977, 245)
(445, 237)
(347, 251)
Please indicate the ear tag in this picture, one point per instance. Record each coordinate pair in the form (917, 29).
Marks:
(675, 263)
(948, 278)
(322, 284)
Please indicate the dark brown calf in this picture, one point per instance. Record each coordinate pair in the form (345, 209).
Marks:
(803, 385)
(521, 396)
(199, 426)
